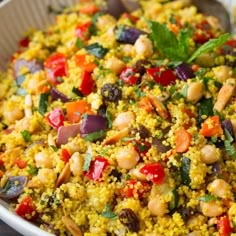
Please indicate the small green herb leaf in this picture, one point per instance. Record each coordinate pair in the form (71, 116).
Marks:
(97, 50)
(229, 147)
(43, 103)
(26, 135)
(209, 45)
(32, 170)
(108, 213)
(54, 148)
(184, 171)
(109, 119)
(79, 43)
(95, 136)
(87, 162)
(208, 198)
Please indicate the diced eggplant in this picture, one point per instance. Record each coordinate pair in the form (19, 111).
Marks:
(56, 94)
(184, 71)
(127, 34)
(32, 66)
(93, 123)
(13, 187)
(66, 132)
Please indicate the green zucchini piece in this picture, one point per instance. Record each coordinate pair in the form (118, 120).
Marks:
(184, 171)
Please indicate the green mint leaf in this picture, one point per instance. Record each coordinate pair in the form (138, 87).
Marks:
(54, 148)
(32, 170)
(26, 135)
(108, 213)
(228, 136)
(95, 136)
(109, 119)
(97, 50)
(167, 43)
(209, 45)
(208, 198)
(87, 162)
(79, 43)
(184, 91)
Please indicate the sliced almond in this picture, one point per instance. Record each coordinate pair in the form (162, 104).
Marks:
(116, 137)
(64, 176)
(71, 226)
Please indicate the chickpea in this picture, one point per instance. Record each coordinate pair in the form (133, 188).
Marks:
(11, 112)
(43, 160)
(135, 173)
(220, 188)
(127, 158)
(212, 208)
(195, 91)
(209, 154)
(123, 120)
(143, 46)
(76, 164)
(222, 73)
(115, 64)
(157, 206)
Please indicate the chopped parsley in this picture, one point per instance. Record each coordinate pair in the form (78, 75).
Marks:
(208, 198)
(95, 135)
(26, 135)
(87, 161)
(108, 213)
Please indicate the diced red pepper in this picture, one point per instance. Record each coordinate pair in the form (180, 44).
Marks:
(87, 83)
(56, 66)
(132, 18)
(154, 172)
(1, 161)
(65, 155)
(162, 75)
(129, 76)
(141, 147)
(228, 46)
(82, 30)
(97, 167)
(223, 226)
(133, 187)
(203, 32)
(56, 118)
(26, 209)
(24, 42)
(20, 163)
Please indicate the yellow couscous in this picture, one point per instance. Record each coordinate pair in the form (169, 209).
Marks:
(122, 126)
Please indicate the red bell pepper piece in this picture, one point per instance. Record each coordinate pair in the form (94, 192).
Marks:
(133, 186)
(97, 167)
(65, 155)
(26, 209)
(56, 118)
(154, 172)
(82, 30)
(24, 42)
(203, 32)
(223, 226)
(1, 161)
(20, 163)
(129, 76)
(162, 75)
(141, 147)
(87, 83)
(56, 66)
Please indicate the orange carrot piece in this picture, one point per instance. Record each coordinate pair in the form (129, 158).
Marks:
(76, 109)
(20, 163)
(81, 62)
(211, 127)
(89, 9)
(182, 140)
(145, 104)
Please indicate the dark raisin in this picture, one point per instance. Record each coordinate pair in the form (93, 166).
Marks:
(115, 173)
(160, 146)
(185, 212)
(102, 110)
(111, 92)
(128, 218)
(230, 59)
(141, 66)
(143, 131)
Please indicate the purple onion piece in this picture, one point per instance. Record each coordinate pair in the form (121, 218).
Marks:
(33, 66)
(93, 123)
(56, 94)
(127, 34)
(184, 71)
(227, 125)
(66, 132)
(13, 187)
